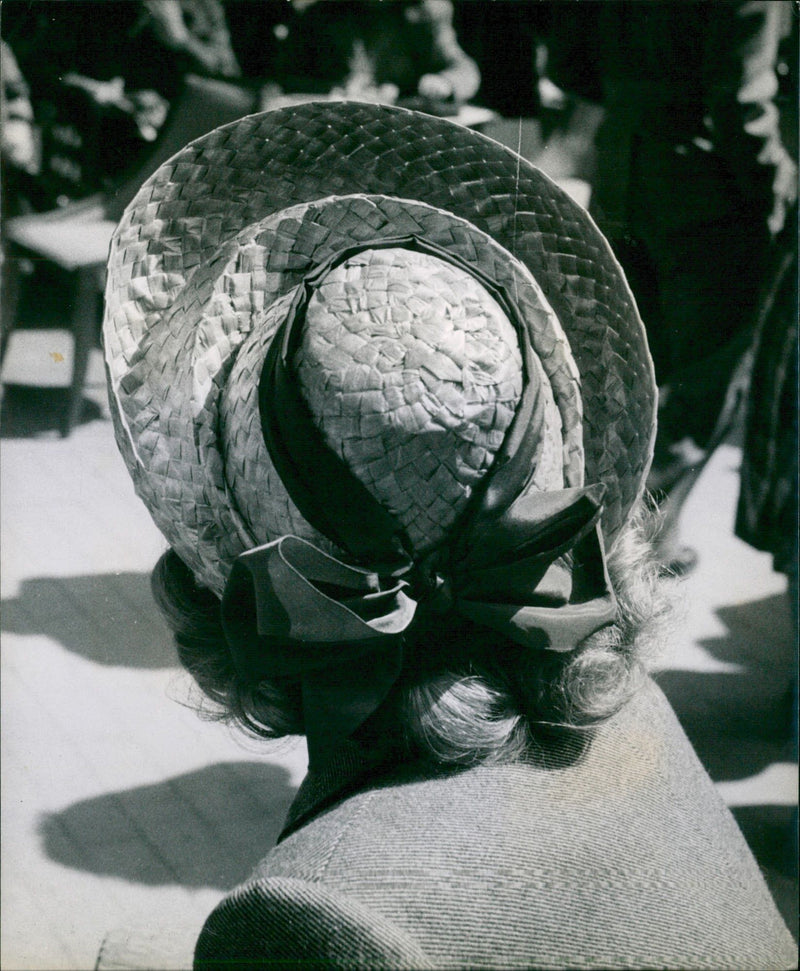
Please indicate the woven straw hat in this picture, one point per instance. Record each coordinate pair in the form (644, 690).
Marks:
(438, 272)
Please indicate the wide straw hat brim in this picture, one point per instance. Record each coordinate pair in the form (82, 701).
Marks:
(277, 172)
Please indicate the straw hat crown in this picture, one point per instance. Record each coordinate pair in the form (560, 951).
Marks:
(438, 274)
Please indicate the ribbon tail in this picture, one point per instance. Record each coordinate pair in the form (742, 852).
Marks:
(339, 699)
(559, 629)
(545, 524)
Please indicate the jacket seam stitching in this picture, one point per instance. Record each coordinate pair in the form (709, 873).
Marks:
(345, 829)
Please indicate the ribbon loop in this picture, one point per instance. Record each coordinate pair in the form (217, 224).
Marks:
(535, 524)
(287, 602)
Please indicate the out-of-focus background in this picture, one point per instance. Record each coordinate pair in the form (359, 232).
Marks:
(675, 123)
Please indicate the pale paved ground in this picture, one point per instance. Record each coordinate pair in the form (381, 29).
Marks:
(119, 804)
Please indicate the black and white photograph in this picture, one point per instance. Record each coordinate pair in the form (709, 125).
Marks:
(399, 485)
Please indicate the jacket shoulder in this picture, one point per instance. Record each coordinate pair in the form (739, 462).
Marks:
(285, 923)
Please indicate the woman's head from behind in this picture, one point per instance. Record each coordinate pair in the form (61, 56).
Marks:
(393, 430)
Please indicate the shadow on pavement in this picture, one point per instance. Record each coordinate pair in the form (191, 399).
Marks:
(207, 828)
(29, 412)
(741, 721)
(759, 634)
(735, 731)
(106, 618)
(771, 833)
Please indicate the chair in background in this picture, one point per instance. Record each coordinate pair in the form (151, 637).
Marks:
(76, 238)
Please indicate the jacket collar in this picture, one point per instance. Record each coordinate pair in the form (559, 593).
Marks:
(360, 763)
(353, 765)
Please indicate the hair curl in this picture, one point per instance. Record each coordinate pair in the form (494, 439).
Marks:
(488, 706)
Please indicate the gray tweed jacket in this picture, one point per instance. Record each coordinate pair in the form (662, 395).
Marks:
(619, 856)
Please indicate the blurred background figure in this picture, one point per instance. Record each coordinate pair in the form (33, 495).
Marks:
(503, 38)
(691, 182)
(20, 150)
(102, 77)
(19, 165)
(767, 509)
(405, 50)
(197, 31)
(767, 512)
(509, 41)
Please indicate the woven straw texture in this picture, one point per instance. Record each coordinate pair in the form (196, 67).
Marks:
(205, 263)
(414, 372)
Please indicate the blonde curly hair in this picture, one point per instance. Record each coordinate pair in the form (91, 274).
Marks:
(467, 695)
